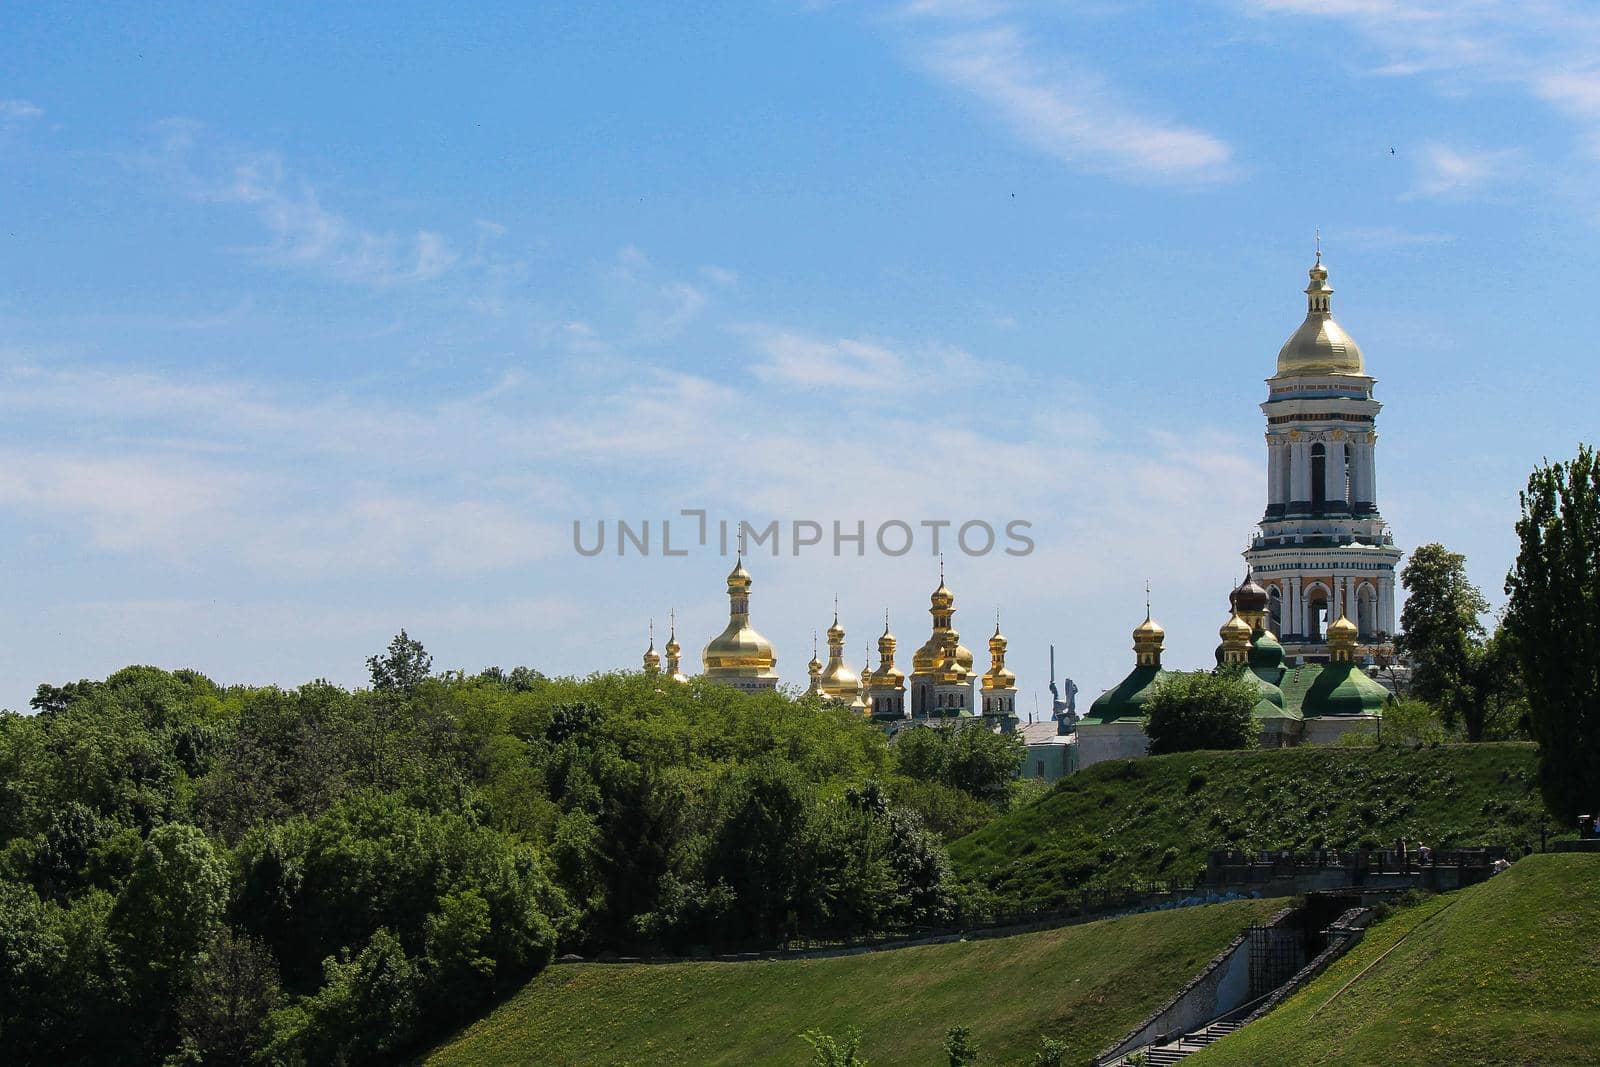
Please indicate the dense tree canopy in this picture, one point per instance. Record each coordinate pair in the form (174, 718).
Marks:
(1201, 710)
(1554, 624)
(203, 874)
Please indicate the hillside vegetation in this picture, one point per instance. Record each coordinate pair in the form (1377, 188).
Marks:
(1086, 985)
(1156, 818)
(192, 872)
(1507, 972)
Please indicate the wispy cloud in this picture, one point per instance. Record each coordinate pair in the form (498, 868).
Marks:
(1069, 113)
(861, 369)
(1545, 48)
(301, 231)
(12, 111)
(1455, 173)
(1382, 237)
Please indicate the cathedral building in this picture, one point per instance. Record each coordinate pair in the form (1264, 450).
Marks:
(1323, 551)
(942, 682)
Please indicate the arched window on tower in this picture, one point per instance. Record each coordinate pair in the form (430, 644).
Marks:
(1316, 613)
(1319, 476)
(1274, 610)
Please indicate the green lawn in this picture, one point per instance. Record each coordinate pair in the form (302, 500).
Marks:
(1507, 972)
(1128, 820)
(1085, 984)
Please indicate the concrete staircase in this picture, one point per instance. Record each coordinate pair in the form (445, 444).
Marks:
(1189, 1044)
(1171, 1052)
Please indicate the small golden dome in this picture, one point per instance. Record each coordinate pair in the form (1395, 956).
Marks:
(652, 658)
(886, 643)
(1320, 345)
(738, 578)
(1342, 630)
(887, 675)
(997, 643)
(998, 675)
(1149, 629)
(1235, 630)
(674, 652)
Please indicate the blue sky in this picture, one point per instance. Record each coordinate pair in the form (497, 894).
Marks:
(326, 320)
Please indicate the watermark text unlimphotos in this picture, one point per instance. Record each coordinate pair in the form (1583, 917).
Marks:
(691, 530)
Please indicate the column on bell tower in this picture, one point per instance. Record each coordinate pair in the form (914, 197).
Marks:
(1334, 492)
(1299, 473)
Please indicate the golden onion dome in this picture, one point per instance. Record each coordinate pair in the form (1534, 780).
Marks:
(997, 642)
(1320, 345)
(887, 673)
(998, 676)
(1149, 629)
(1235, 631)
(740, 650)
(674, 652)
(1342, 630)
(652, 658)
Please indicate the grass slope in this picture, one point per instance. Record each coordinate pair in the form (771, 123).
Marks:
(1085, 984)
(1507, 972)
(1129, 820)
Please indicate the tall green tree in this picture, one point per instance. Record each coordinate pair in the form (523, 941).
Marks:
(1201, 710)
(402, 667)
(1554, 619)
(1445, 640)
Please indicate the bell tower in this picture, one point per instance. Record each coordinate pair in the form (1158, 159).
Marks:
(1323, 551)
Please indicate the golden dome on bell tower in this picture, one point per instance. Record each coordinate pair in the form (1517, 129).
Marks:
(1320, 345)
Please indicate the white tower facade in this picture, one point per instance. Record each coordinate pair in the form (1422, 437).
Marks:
(1323, 550)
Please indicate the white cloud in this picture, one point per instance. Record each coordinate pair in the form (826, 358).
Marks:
(1454, 173)
(1077, 119)
(19, 111)
(1544, 48)
(301, 231)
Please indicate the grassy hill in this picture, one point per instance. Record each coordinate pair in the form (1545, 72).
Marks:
(1507, 972)
(1085, 984)
(1127, 820)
